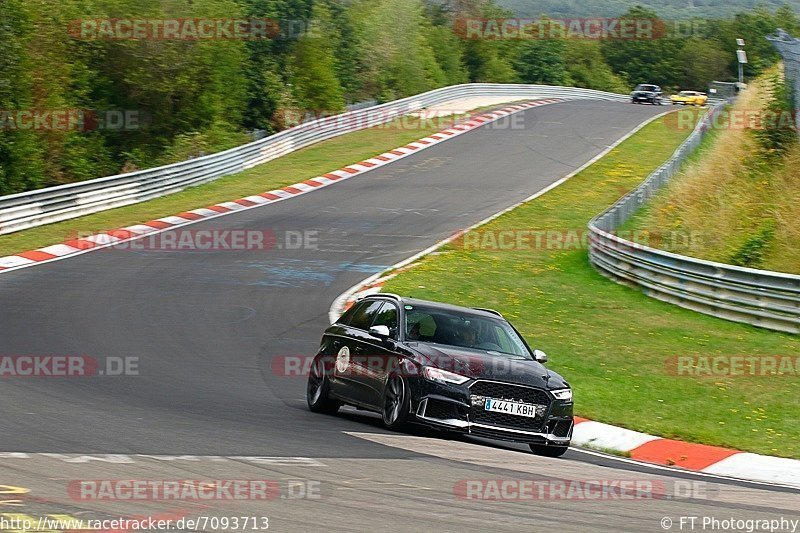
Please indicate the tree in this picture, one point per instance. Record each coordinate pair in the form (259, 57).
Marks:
(654, 60)
(313, 71)
(21, 166)
(587, 68)
(488, 60)
(703, 61)
(449, 54)
(396, 59)
(542, 62)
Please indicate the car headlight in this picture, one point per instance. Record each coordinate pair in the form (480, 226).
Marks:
(562, 394)
(443, 376)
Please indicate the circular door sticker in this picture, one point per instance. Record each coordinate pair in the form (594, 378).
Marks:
(343, 360)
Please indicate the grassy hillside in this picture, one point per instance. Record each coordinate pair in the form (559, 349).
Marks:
(741, 199)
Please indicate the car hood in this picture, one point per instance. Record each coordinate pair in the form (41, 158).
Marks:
(480, 364)
(643, 92)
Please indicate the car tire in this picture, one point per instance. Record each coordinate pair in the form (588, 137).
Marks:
(548, 451)
(396, 403)
(318, 389)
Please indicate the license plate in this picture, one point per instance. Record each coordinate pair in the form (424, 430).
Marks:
(510, 408)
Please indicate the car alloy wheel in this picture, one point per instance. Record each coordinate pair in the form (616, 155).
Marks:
(395, 403)
(318, 388)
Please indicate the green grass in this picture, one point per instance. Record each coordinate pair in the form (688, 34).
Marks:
(739, 201)
(612, 342)
(292, 168)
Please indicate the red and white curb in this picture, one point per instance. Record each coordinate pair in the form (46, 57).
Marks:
(687, 455)
(109, 238)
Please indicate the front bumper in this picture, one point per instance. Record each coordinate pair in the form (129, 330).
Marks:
(454, 408)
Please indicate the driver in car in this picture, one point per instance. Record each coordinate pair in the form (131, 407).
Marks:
(469, 337)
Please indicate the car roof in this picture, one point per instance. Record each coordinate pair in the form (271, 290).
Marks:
(435, 305)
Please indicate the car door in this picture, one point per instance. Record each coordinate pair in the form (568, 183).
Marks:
(374, 358)
(345, 377)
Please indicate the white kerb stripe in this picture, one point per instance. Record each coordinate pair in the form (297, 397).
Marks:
(340, 173)
(305, 187)
(174, 220)
(609, 437)
(231, 205)
(140, 229)
(59, 249)
(376, 162)
(204, 212)
(101, 238)
(14, 260)
(256, 199)
(758, 467)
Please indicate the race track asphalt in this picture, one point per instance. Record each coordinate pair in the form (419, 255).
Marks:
(207, 328)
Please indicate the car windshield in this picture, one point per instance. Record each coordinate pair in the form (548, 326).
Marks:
(464, 330)
(651, 88)
(686, 93)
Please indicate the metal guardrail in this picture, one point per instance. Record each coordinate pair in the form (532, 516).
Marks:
(758, 297)
(29, 209)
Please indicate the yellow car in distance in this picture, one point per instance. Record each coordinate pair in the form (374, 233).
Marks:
(689, 98)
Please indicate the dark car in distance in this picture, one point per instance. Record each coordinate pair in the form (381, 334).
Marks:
(453, 368)
(647, 93)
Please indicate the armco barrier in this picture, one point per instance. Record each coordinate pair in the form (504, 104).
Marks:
(758, 297)
(25, 210)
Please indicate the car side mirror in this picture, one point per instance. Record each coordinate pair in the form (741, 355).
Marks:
(382, 332)
(540, 356)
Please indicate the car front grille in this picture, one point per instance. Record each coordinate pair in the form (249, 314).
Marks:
(480, 390)
(510, 392)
